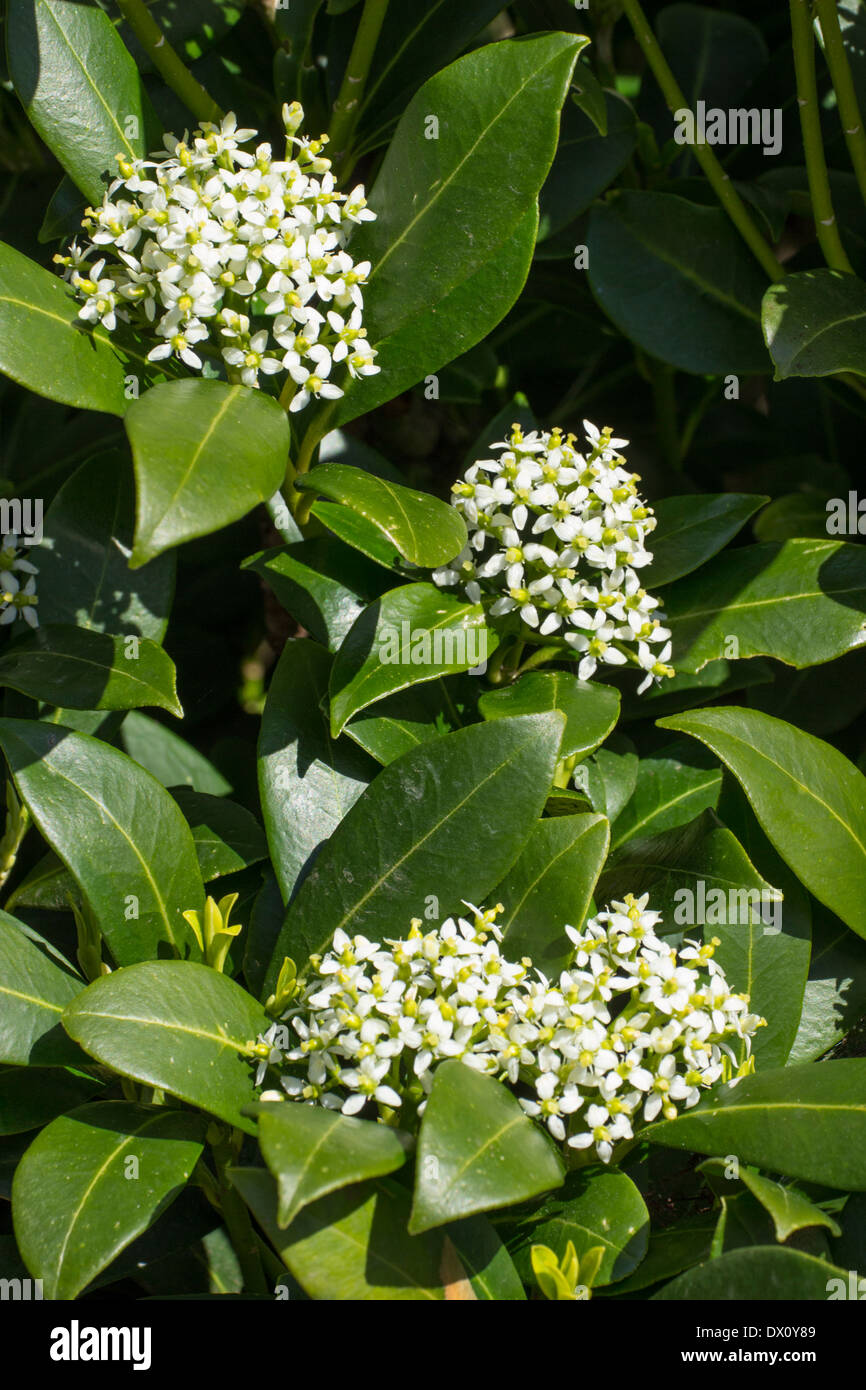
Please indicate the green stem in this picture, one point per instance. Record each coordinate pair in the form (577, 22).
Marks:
(720, 181)
(237, 1219)
(284, 523)
(167, 62)
(347, 107)
(843, 85)
(11, 843)
(303, 501)
(665, 399)
(810, 122)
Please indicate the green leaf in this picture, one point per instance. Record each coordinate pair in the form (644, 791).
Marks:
(322, 583)
(591, 709)
(43, 346)
(412, 717)
(416, 40)
(586, 161)
(835, 994)
(609, 777)
(595, 1207)
(789, 1209)
(227, 836)
(74, 1204)
(178, 1025)
(770, 966)
(181, 434)
(65, 665)
(691, 530)
(805, 1122)
(801, 601)
(423, 529)
(359, 533)
(485, 1261)
(446, 204)
(92, 515)
(120, 834)
(673, 786)
(312, 1152)
(672, 1249)
(307, 782)
(551, 886)
(813, 324)
(760, 1274)
(34, 992)
(678, 281)
(476, 1150)
(351, 1245)
(808, 798)
(79, 87)
(435, 802)
(412, 634)
(26, 1103)
(168, 757)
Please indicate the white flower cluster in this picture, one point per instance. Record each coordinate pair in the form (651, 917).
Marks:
(556, 537)
(17, 598)
(632, 1029)
(211, 242)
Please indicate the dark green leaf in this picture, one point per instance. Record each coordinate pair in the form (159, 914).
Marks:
(322, 583)
(168, 757)
(178, 1025)
(476, 1150)
(813, 324)
(673, 786)
(413, 716)
(181, 434)
(423, 529)
(586, 161)
(120, 834)
(34, 992)
(761, 1274)
(691, 530)
(227, 836)
(596, 1206)
(29, 1102)
(590, 709)
(65, 665)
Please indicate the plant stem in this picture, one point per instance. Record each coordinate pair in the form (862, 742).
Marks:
(284, 523)
(810, 122)
(11, 841)
(720, 181)
(348, 104)
(665, 399)
(303, 501)
(843, 85)
(167, 62)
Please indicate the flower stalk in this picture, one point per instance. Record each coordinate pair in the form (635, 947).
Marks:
(167, 62)
(347, 107)
(843, 85)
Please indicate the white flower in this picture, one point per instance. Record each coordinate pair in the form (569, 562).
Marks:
(16, 600)
(556, 537)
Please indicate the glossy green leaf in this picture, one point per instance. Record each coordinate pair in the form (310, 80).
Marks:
(92, 516)
(435, 803)
(595, 1207)
(550, 886)
(805, 1122)
(809, 799)
(485, 1261)
(428, 341)
(168, 757)
(65, 665)
(476, 1150)
(29, 1101)
(760, 1274)
(691, 530)
(79, 87)
(413, 716)
(227, 837)
(178, 1025)
(800, 601)
(34, 991)
(590, 709)
(43, 347)
(678, 281)
(322, 583)
(789, 1209)
(814, 322)
(74, 1204)
(307, 781)
(312, 1151)
(672, 1249)
(359, 533)
(181, 434)
(609, 777)
(412, 634)
(673, 786)
(352, 1245)
(416, 40)
(120, 834)
(423, 529)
